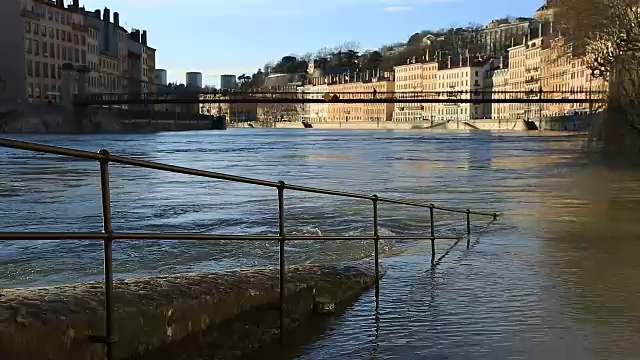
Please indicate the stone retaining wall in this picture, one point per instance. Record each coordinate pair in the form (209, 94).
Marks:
(154, 316)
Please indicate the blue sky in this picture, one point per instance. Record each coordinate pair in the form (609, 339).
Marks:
(239, 36)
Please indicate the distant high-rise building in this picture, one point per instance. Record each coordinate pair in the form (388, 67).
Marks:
(228, 82)
(194, 79)
(161, 77)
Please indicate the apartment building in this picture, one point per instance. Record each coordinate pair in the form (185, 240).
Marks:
(52, 35)
(533, 71)
(497, 81)
(409, 82)
(517, 77)
(317, 112)
(430, 84)
(39, 36)
(365, 83)
(463, 78)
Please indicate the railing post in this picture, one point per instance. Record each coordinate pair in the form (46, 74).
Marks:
(281, 233)
(376, 254)
(108, 269)
(433, 235)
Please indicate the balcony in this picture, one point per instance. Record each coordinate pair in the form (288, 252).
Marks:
(80, 28)
(531, 80)
(31, 14)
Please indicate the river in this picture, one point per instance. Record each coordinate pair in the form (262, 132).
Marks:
(556, 277)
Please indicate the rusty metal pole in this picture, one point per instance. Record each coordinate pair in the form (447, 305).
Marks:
(433, 235)
(376, 254)
(281, 232)
(108, 258)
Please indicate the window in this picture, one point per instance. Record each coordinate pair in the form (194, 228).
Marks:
(45, 91)
(53, 71)
(36, 29)
(37, 94)
(83, 40)
(69, 37)
(27, 27)
(36, 47)
(37, 69)
(84, 57)
(64, 36)
(29, 68)
(56, 16)
(27, 46)
(45, 70)
(45, 49)
(64, 53)
(58, 51)
(52, 53)
(43, 31)
(77, 55)
(30, 90)
(51, 33)
(59, 73)
(76, 39)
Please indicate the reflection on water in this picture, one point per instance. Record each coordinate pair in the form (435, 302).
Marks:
(555, 278)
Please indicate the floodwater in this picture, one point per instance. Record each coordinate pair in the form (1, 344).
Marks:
(556, 277)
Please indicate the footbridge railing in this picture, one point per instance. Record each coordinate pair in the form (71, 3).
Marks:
(108, 236)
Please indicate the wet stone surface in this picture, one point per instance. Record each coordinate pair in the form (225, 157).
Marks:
(157, 316)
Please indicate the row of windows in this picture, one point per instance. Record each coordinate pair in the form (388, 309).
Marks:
(45, 70)
(455, 84)
(55, 51)
(42, 91)
(59, 35)
(456, 75)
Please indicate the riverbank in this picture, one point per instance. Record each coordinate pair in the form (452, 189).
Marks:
(171, 317)
(567, 123)
(54, 119)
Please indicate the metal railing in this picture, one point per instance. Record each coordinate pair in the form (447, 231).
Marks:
(107, 235)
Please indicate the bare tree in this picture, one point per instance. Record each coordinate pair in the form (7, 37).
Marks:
(607, 34)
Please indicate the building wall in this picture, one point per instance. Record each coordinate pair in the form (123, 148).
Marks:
(517, 76)
(109, 80)
(319, 112)
(533, 71)
(497, 81)
(430, 84)
(93, 60)
(499, 36)
(409, 79)
(149, 70)
(13, 84)
(464, 79)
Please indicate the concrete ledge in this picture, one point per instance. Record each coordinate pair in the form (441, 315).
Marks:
(176, 314)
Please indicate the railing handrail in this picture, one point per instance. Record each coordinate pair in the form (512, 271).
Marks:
(104, 155)
(108, 235)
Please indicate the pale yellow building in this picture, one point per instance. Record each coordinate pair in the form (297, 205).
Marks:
(533, 71)
(463, 78)
(409, 83)
(360, 112)
(497, 81)
(317, 112)
(109, 74)
(517, 77)
(430, 84)
(93, 60)
(53, 35)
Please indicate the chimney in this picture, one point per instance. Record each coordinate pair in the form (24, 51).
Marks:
(116, 19)
(427, 56)
(449, 61)
(540, 30)
(96, 13)
(408, 61)
(144, 37)
(106, 19)
(76, 4)
(60, 4)
(414, 60)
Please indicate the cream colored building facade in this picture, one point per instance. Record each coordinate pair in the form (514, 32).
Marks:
(317, 112)
(366, 112)
(430, 84)
(517, 77)
(53, 35)
(532, 81)
(460, 79)
(409, 82)
(497, 81)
